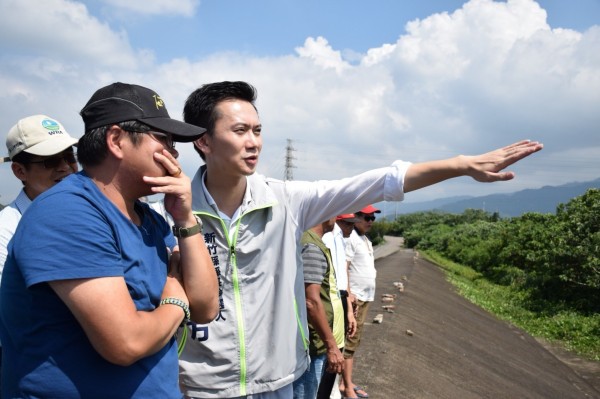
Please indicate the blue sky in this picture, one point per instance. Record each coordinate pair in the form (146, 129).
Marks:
(274, 27)
(354, 84)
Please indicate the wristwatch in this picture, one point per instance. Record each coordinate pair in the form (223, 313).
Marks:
(182, 232)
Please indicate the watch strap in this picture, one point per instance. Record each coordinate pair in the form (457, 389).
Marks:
(183, 232)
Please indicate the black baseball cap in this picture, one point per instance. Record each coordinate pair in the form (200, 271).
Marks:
(120, 102)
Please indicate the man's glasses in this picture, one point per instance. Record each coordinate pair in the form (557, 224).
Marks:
(164, 139)
(369, 218)
(55, 161)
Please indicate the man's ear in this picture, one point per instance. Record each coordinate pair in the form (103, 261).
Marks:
(115, 137)
(202, 143)
(19, 171)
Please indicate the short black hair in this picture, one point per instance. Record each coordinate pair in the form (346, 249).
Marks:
(92, 148)
(199, 108)
(23, 158)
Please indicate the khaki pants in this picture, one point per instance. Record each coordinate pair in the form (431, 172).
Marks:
(362, 308)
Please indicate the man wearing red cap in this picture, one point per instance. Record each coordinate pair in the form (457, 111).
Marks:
(362, 276)
(335, 241)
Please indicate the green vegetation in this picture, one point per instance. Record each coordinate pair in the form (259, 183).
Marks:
(378, 230)
(539, 271)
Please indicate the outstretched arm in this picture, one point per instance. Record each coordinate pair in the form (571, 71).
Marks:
(486, 167)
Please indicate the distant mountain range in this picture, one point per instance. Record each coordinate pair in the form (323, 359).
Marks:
(541, 200)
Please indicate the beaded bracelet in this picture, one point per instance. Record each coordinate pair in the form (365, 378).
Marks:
(181, 304)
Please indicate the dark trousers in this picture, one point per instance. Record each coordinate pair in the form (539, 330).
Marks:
(344, 297)
(326, 384)
(328, 379)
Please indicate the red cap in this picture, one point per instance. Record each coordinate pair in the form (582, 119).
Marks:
(370, 209)
(347, 217)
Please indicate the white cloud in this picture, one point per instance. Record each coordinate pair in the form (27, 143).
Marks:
(377, 55)
(322, 54)
(185, 8)
(482, 76)
(491, 70)
(61, 32)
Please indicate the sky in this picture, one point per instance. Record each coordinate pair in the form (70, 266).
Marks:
(354, 85)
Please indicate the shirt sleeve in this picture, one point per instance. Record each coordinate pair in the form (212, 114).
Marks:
(314, 202)
(82, 244)
(315, 264)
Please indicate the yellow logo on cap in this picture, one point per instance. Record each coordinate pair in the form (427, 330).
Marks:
(158, 101)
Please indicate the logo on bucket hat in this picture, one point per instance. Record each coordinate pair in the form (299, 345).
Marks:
(120, 102)
(37, 135)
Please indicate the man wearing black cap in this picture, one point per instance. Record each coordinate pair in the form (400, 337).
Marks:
(257, 344)
(87, 307)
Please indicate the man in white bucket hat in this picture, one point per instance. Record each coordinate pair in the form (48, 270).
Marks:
(41, 152)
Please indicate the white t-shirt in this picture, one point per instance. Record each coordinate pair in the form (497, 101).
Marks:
(336, 244)
(359, 252)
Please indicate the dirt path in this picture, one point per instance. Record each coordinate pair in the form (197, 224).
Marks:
(438, 345)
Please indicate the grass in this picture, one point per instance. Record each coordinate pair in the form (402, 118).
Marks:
(576, 332)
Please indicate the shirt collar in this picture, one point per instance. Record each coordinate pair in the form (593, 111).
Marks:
(22, 201)
(211, 201)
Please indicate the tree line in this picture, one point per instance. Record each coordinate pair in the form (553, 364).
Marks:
(554, 259)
